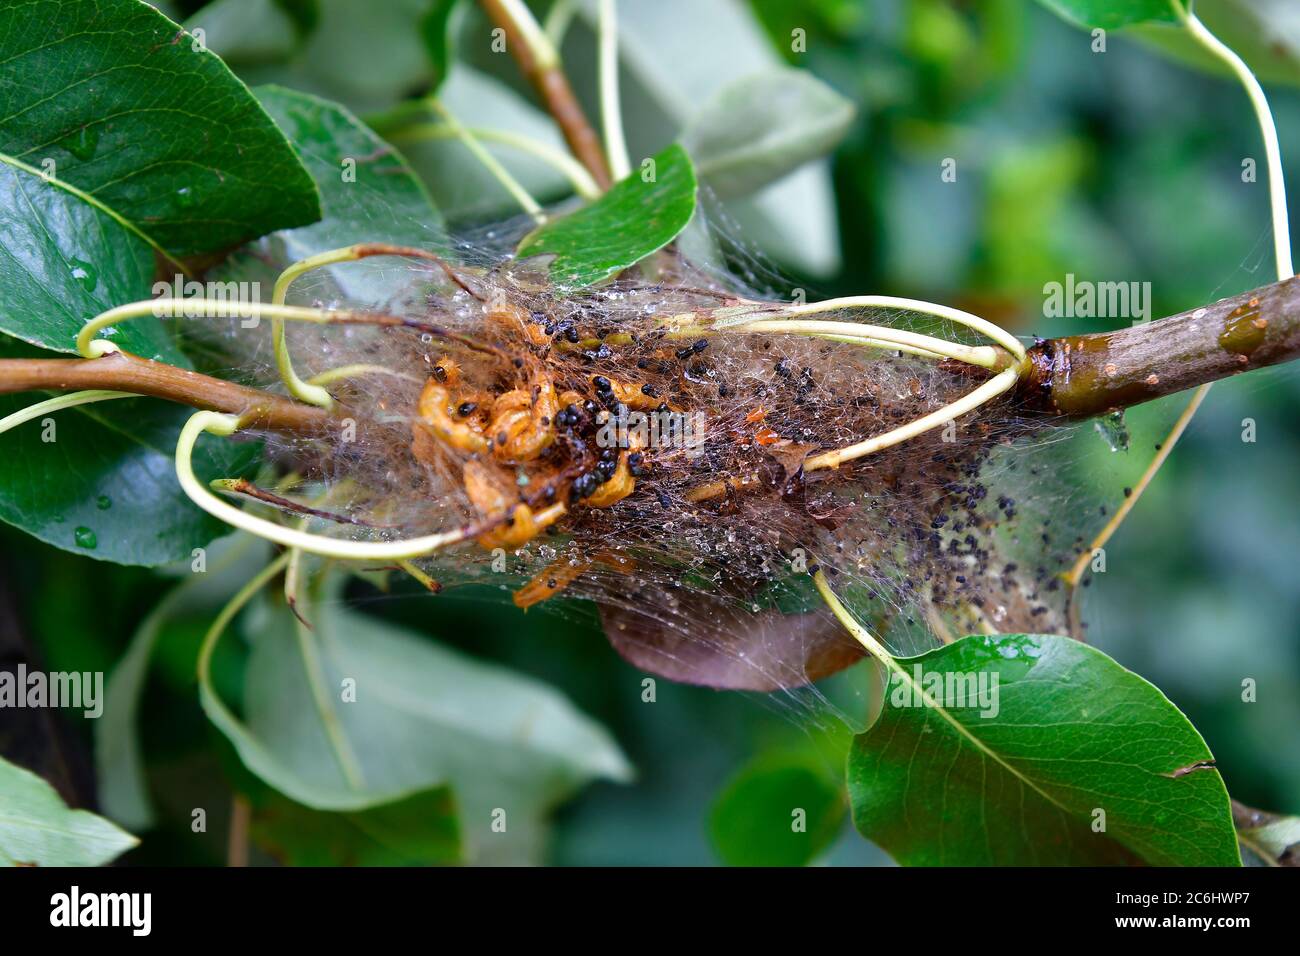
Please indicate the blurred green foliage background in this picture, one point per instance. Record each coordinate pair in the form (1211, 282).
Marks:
(1113, 166)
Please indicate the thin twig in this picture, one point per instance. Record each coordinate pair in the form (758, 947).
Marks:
(540, 63)
(611, 112)
(489, 162)
(557, 159)
(241, 815)
(242, 487)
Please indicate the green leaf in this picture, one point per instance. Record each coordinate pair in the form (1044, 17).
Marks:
(63, 262)
(38, 829)
(1110, 14)
(1070, 735)
(628, 223)
(149, 126)
(123, 790)
(366, 56)
(1271, 838)
(385, 202)
(423, 716)
(1264, 33)
(247, 32)
(778, 811)
(420, 830)
(435, 30)
(304, 14)
(670, 71)
(117, 138)
(761, 127)
(119, 762)
(379, 200)
(104, 484)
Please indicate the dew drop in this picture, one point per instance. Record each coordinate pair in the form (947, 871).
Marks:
(1113, 430)
(83, 143)
(184, 197)
(85, 274)
(103, 502)
(85, 538)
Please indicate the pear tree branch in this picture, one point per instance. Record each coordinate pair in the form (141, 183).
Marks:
(1081, 376)
(123, 372)
(1077, 376)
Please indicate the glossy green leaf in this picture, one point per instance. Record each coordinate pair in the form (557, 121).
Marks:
(777, 812)
(137, 116)
(423, 716)
(38, 829)
(1078, 761)
(761, 127)
(120, 136)
(368, 194)
(63, 262)
(420, 830)
(100, 480)
(638, 216)
(1110, 14)
(384, 202)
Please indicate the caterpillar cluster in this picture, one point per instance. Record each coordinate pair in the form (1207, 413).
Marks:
(496, 415)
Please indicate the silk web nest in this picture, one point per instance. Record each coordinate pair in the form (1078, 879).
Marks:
(483, 414)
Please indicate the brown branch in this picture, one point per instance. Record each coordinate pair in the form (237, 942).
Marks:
(241, 816)
(242, 487)
(367, 249)
(123, 372)
(1080, 376)
(1077, 376)
(552, 86)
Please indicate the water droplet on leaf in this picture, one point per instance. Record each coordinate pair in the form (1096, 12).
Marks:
(103, 502)
(83, 143)
(85, 538)
(1113, 429)
(85, 274)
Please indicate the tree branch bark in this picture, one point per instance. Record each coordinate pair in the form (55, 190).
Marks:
(553, 87)
(1080, 376)
(123, 372)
